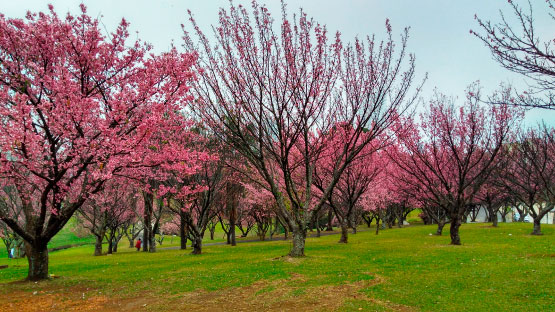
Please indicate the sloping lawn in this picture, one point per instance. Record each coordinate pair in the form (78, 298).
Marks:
(496, 269)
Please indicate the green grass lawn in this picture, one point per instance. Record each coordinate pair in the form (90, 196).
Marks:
(67, 237)
(496, 269)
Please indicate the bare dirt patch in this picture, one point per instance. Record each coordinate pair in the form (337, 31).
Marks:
(291, 294)
(281, 295)
(52, 299)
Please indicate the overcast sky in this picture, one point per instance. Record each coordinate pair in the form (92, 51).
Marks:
(439, 35)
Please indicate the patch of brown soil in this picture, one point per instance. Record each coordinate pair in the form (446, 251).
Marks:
(70, 299)
(291, 294)
(280, 295)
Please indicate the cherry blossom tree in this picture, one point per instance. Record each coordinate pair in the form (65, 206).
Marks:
(108, 213)
(271, 95)
(519, 48)
(10, 205)
(528, 177)
(77, 107)
(197, 198)
(452, 151)
(492, 195)
(355, 181)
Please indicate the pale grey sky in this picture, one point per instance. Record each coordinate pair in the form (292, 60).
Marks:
(440, 36)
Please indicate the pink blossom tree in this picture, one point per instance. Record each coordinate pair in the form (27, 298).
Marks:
(10, 205)
(108, 213)
(77, 107)
(452, 151)
(270, 95)
(355, 180)
(528, 177)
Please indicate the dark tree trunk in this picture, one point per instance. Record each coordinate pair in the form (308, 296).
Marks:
(147, 227)
(454, 231)
(400, 220)
(522, 214)
(231, 203)
(115, 246)
(37, 257)
(110, 246)
(537, 226)
(440, 226)
(131, 242)
(344, 233)
(152, 242)
(494, 219)
(318, 231)
(285, 232)
(367, 220)
(330, 217)
(377, 225)
(211, 234)
(196, 243)
(98, 246)
(182, 229)
(232, 235)
(299, 236)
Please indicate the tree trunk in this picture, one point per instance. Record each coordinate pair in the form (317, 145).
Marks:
(231, 204)
(232, 229)
(454, 231)
(299, 236)
(377, 225)
(368, 221)
(37, 257)
(211, 235)
(330, 217)
(147, 227)
(182, 227)
(537, 226)
(494, 219)
(344, 233)
(115, 246)
(318, 231)
(152, 242)
(110, 246)
(98, 246)
(440, 226)
(197, 245)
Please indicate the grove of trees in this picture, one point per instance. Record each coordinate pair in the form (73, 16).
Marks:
(265, 125)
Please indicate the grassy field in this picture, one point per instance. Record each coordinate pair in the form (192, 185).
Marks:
(496, 269)
(65, 237)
